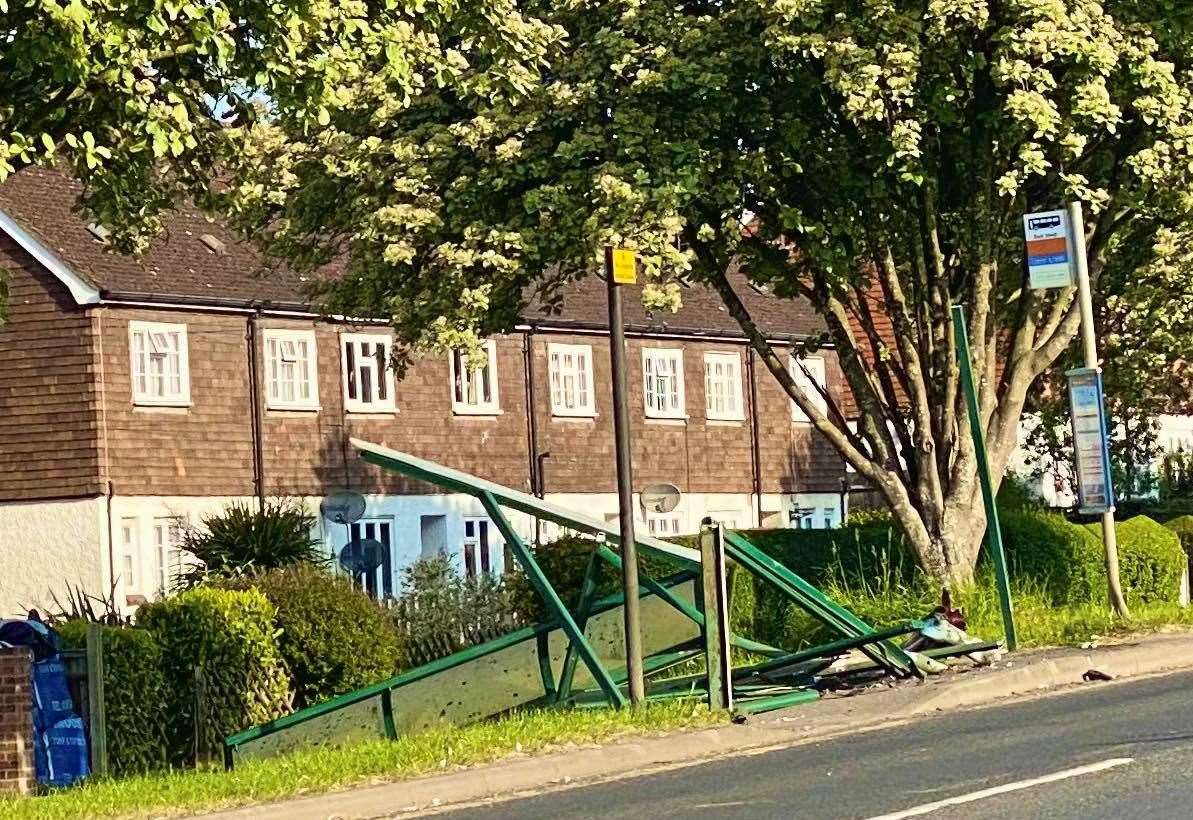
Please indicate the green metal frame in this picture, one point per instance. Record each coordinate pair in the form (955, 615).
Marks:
(753, 697)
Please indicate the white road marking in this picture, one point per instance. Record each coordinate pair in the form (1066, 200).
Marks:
(928, 808)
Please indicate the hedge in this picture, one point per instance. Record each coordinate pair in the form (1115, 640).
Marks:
(1151, 560)
(333, 636)
(135, 696)
(1066, 559)
(1183, 527)
(1070, 561)
(230, 636)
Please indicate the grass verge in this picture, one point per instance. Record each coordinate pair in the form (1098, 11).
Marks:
(1039, 621)
(175, 794)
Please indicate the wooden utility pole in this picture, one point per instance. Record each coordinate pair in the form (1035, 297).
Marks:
(620, 267)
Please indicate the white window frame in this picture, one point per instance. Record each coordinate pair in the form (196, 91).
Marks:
(273, 340)
(355, 405)
(816, 368)
(675, 407)
(733, 386)
(585, 406)
(147, 331)
(490, 544)
(664, 525)
(170, 557)
(130, 555)
(461, 382)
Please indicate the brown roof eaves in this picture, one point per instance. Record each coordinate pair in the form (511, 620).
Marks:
(38, 207)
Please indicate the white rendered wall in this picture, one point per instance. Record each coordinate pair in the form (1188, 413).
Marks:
(48, 545)
(138, 524)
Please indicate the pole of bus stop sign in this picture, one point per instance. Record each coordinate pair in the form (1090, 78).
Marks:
(1090, 351)
(620, 268)
(993, 528)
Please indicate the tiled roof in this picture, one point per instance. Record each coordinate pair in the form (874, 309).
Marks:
(178, 264)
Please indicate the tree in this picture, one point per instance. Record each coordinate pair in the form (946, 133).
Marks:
(139, 99)
(866, 157)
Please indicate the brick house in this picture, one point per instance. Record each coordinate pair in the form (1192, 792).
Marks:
(135, 392)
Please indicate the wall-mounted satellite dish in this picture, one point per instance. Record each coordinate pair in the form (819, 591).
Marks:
(660, 498)
(345, 507)
(362, 555)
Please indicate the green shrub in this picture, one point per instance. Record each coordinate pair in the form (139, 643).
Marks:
(1065, 559)
(440, 612)
(135, 697)
(1016, 496)
(230, 637)
(334, 638)
(565, 561)
(1183, 527)
(243, 538)
(1151, 561)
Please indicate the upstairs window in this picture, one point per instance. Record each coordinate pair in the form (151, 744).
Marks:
(160, 367)
(722, 386)
(814, 365)
(570, 370)
(662, 371)
(474, 390)
(368, 378)
(291, 370)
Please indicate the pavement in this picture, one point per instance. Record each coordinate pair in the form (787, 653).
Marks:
(888, 715)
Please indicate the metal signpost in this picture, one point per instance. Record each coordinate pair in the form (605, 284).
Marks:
(1090, 350)
(1056, 258)
(993, 527)
(621, 269)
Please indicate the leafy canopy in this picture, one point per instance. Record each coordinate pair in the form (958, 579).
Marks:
(880, 152)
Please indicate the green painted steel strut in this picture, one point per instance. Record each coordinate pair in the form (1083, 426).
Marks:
(694, 614)
(587, 589)
(542, 586)
(816, 604)
(993, 528)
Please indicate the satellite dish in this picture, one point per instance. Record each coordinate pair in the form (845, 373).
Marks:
(344, 507)
(660, 498)
(362, 555)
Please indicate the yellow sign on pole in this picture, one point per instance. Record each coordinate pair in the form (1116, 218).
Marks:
(624, 265)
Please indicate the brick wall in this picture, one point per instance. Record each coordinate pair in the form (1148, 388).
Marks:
(49, 405)
(206, 449)
(17, 774)
(89, 434)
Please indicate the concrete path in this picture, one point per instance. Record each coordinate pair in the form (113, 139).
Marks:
(880, 708)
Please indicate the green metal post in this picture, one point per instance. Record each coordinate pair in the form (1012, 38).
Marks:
(543, 587)
(587, 589)
(993, 529)
(718, 667)
(96, 711)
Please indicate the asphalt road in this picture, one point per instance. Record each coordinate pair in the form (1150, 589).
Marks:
(1121, 751)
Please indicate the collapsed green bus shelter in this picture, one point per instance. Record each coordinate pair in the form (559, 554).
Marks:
(577, 656)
